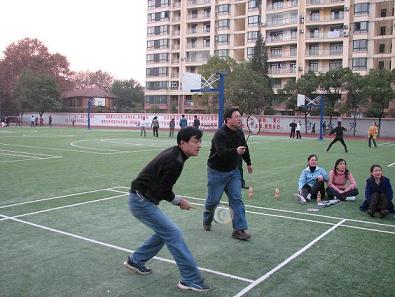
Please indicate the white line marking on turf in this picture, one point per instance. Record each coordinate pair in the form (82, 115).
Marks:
(286, 261)
(125, 250)
(56, 197)
(68, 205)
(392, 164)
(287, 211)
(26, 155)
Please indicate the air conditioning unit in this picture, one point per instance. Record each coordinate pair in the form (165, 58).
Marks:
(174, 84)
(301, 31)
(345, 33)
(300, 68)
(263, 24)
(345, 27)
(346, 8)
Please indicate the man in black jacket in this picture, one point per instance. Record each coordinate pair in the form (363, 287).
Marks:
(228, 146)
(338, 131)
(154, 184)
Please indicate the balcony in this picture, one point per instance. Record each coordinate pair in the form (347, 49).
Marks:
(323, 53)
(327, 36)
(199, 2)
(275, 7)
(280, 38)
(282, 22)
(282, 71)
(324, 2)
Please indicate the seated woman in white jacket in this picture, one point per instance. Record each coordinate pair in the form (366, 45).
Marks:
(312, 180)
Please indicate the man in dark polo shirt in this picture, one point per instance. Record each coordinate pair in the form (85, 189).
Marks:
(227, 148)
(154, 184)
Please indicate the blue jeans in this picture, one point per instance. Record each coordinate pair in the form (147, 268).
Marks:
(166, 232)
(230, 183)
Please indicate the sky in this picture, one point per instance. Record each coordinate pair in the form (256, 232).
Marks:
(107, 35)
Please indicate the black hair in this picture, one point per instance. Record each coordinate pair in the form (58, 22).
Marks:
(187, 133)
(228, 113)
(311, 156)
(373, 166)
(337, 163)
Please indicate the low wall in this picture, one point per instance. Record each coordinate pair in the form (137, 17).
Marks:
(269, 124)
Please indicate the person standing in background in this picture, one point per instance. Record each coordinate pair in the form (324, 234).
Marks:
(293, 129)
(338, 131)
(196, 122)
(183, 122)
(372, 134)
(155, 126)
(50, 120)
(142, 127)
(298, 130)
(172, 125)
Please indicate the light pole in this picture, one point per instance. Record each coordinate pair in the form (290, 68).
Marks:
(91, 101)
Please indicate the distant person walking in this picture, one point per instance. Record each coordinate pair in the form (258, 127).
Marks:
(338, 131)
(298, 130)
(32, 120)
(293, 129)
(50, 120)
(183, 122)
(372, 134)
(313, 129)
(172, 125)
(155, 126)
(142, 127)
(196, 122)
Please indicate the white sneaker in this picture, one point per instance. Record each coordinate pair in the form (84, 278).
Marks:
(351, 198)
(300, 198)
(308, 198)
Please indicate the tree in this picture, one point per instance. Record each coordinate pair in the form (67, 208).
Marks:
(260, 57)
(248, 89)
(352, 83)
(131, 96)
(36, 92)
(378, 85)
(32, 55)
(88, 79)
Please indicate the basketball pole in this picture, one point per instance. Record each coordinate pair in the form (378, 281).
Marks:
(321, 117)
(90, 101)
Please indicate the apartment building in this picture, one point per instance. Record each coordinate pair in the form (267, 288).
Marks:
(300, 35)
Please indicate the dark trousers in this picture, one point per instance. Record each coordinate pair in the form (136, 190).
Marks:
(155, 131)
(292, 134)
(336, 140)
(370, 142)
(318, 186)
(378, 202)
(243, 183)
(171, 132)
(298, 135)
(332, 193)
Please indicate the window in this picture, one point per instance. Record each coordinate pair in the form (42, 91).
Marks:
(334, 64)
(253, 20)
(313, 49)
(337, 14)
(150, 58)
(314, 15)
(206, 28)
(253, 4)
(382, 48)
(277, 4)
(336, 48)
(360, 45)
(157, 85)
(361, 9)
(223, 9)
(382, 30)
(250, 52)
(223, 24)
(383, 13)
(222, 53)
(252, 36)
(314, 32)
(381, 65)
(159, 99)
(361, 27)
(313, 66)
(223, 39)
(359, 63)
(276, 51)
(292, 51)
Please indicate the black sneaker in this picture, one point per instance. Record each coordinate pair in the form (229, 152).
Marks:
(198, 287)
(207, 227)
(136, 268)
(241, 235)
